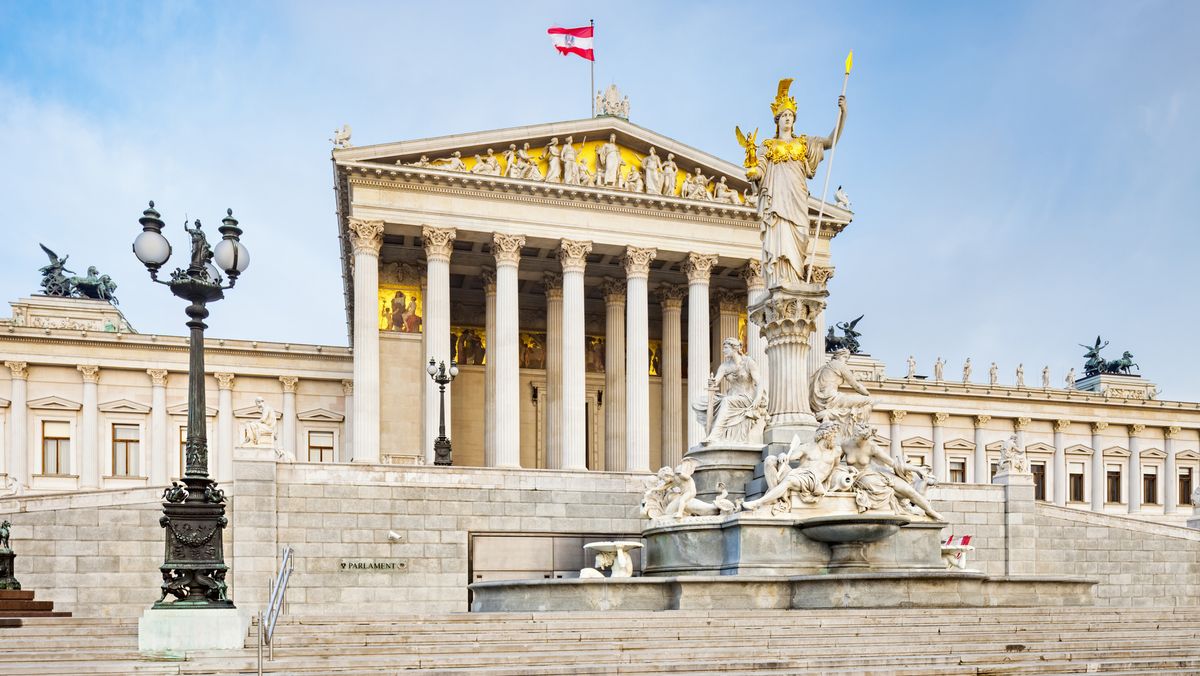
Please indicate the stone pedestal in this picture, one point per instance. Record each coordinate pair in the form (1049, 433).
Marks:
(175, 632)
(1020, 527)
(733, 464)
(8, 570)
(1116, 386)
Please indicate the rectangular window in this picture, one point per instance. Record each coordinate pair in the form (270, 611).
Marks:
(1076, 486)
(56, 447)
(320, 446)
(126, 440)
(1185, 486)
(995, 468)
(958, 471)
(1114, 485)
(1039, 480)
(1150, 486)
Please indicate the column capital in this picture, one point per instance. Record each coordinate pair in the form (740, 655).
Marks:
(821, 274)
(91, 373)
(1170, 432)
(898, 415)
(698, 267)
(224, 380)
(366, 236)
(289, 383)
(982, 420)
(637, 261)
(19, 369)
(439, 242)
(553, 283)
(940, 418)
(1060, 425)
(613, 290)
(752, 273)
(729, 300)
(158, 377)
(1136, 428)
(1021, 423)
(507, 248)
(1099, 426)
(572, 254)
(671, 295)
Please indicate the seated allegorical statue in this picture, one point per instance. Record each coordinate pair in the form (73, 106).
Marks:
(808, 480)
(735, 409)
(260, 432)
(882, 490)
(826, 399)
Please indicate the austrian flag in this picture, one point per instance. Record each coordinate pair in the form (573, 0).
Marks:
(576, 41)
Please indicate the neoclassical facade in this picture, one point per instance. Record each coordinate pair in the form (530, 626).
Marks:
(583, 276)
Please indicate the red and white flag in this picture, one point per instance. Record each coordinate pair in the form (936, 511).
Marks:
(576, 41)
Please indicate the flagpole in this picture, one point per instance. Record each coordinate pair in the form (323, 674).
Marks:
(592, 88)
(837, 131)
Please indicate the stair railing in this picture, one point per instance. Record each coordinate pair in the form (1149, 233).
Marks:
(276, 605)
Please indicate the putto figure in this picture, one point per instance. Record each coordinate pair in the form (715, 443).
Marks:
(785, 163)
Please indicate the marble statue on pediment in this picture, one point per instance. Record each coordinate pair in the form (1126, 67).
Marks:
(938, 369)
(695, 186)
(510, 162)
(571, 160)
(488, 165)
(808, 481)
(750, 198)
(1046, 377)
(341, 137)
(587, 177)
(734, 408)
(652, 165)
(452, 163)
(880, 482)
(670, 172)
(260, 432)
(723, 193)
(421, 163)
(611, 102)
(994, 375)
(842, 199)
(634, 182)
(826, 397)
(1020, 376)
(782, 168)
(608, 163)
(554, 162)
(967, 371)
(528, 166)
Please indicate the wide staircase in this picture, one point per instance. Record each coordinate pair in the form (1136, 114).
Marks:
(15, 605)
(925, 642)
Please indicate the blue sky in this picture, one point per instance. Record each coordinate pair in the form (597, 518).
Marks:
(1024, 175)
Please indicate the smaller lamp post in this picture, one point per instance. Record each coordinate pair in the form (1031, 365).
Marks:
(442, 376)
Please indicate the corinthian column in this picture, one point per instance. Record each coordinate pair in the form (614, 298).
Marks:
(89, 451)
(939, 447)
(507, 392)
(637, 358)
(897, 448)
(983, 470)
(346, 452)
(489, 368)
(698, 268)
(1099, 476)
(756, 291)
(367, 239)
(787, 316)
(159, 456)
(554, 369)
(1060, 462)
(729, 309)
(18, 443)
(289, 416)
(1171, 480)
(573, 256)
(225, 431)
(439, 242)
(614, 374)
(1135, 469)
(671, 368)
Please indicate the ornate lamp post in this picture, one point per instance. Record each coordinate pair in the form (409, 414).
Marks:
(194, 567)
(442, 376)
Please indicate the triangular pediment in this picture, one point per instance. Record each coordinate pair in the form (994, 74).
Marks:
(1116, 452)
(995, 446)
(1152, 453)
(1039, 447)
(960, 445)
(916, 442)
(182, 409)
(55, 404)
(124, 406)
(252, 412)
(320, 415)
(1187, 455)
(1079, 449)
(4, 402)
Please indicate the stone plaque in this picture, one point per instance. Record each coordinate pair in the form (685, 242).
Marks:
(373, 565)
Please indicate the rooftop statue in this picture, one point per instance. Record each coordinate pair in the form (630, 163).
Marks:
(781, 168)
(1096, 364)
(843, 200)
(848, 340)
(610, 102)
(96, 286)
(54, 282)
(341, 137)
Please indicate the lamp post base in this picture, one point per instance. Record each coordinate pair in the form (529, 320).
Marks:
(177, 631)
(441, 452)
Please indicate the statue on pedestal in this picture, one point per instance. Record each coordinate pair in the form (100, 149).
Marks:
(784, 165)
(824, 391)
(938, 367)
(807, 481)
(735, 408)
(967, 371)
(260, 432)
(1013, 458)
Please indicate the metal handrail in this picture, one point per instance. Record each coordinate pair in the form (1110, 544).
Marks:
(275, 606)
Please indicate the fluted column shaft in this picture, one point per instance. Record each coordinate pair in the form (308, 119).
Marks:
(346, 452)
(18, 440)
(1060, 462)
(756, 347)
(225, 427)
(983, 470)
(897, 448)
(507, 383)
(89, 451)
(698, 268)
(615, 410)
(939, 448)
(159, 456)
(1135, 469)
(554, 370)
(367, 239)
(289, 417)
(1099, 476)
(637, 358)
(573, 256)
(729, 309)
(816, 343)
(1170, 468)
(489, 368)
(439, 243)
(671, 368)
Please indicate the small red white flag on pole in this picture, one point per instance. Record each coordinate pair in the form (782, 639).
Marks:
(576, 41)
